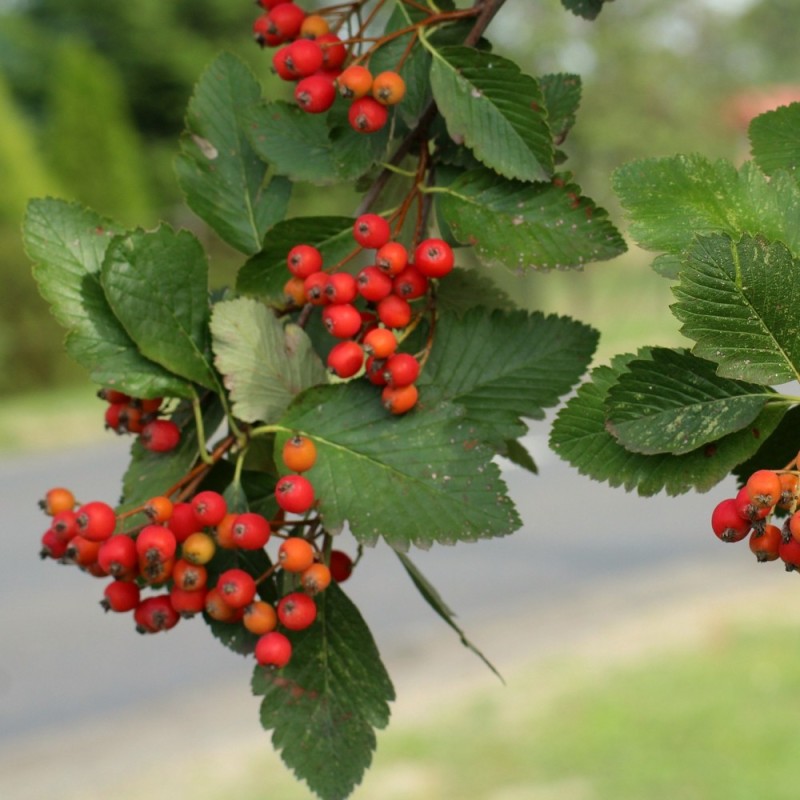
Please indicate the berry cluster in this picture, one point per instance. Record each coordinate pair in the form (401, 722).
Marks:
(750, 512)
(125, 414)
(173, 553)
(366, 309)
(313, 57)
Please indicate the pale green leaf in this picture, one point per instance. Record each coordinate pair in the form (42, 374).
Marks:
(263, 362)
(672, 200)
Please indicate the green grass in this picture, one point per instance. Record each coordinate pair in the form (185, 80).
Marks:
(716, 723)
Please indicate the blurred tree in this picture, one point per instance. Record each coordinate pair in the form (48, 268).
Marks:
(89, 141)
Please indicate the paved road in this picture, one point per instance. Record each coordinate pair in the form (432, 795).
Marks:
(64, 663)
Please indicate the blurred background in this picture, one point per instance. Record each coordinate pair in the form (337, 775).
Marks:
(637, 666)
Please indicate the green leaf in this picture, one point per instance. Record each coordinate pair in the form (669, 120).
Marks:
(265, 274)
(738, 302)
(504, 366)
(467, 288)
(589, 9)
(221, 175)
(435, 601)
(263, 362)
(528, 225)
(562, 96)
(316, 148)
(324, 706)
(579, 436)
(775, 139)
(674, 402)
(671, 200)
(68, 243)
(151, 474)
(157, 285)
(295, 142)
(517, 454)
(496, 110)
(435, 480)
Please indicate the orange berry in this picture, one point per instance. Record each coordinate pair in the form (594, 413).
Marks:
(388, 88)
(764, 488)
(198, 548)
(296, 554)
(790, 488)
(399, 399)
(313, 26)
(354, 82)
(159, 509)
(260, 617)
(316, 578)
(299, 453)
(56, 500)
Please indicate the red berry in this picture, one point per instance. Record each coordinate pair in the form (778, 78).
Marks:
(296, 611)
(117, 556)
(64, 525)
(250, 531)
(374, 284)
(371, 230)
(160, 436)
(183, 521)
(113, 396)
(745, 508)
(399, 399)
(340, 565)
(294, 494)
(154, 614)
(189, 576)
(315, 288)
(315, 94)
(285, 20)
(334, 53)
(394, 311)
(304, 260)
(52, 546)
(401, 369)
(434, 258)
(96, 521)
(238, 587)
(273, 649)
(342, 320)
(262, 32)
(367, 115)
(156, 544)
(81, 551)
(341, 288)
(304, 58)
(392, 258)
(726, 522)
(209, 507)
(374, 369)
(345, 359)
(120, 596)
(789, 553)
(410, 283)
(765, 545)
(187, 602)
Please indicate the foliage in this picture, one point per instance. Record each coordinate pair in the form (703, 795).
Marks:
(728, 239)
(477, 150)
